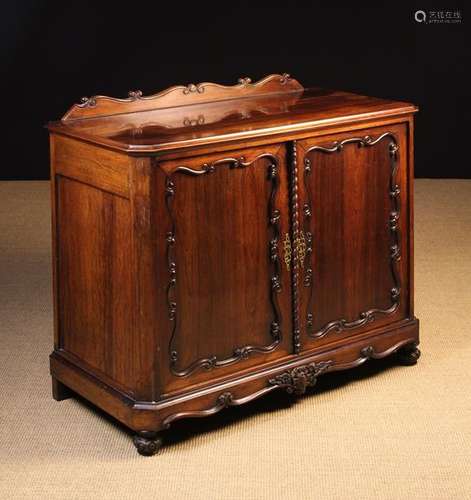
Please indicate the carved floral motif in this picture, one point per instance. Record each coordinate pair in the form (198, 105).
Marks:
(296, 380)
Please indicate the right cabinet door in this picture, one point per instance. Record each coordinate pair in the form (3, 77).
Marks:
(353, 238)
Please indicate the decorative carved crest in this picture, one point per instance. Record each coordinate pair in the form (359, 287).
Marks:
(296, 381)
(180, 95)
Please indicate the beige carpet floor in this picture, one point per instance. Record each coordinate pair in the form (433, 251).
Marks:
(380, 431)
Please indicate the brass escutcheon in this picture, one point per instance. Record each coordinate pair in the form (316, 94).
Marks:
(287, 251)
(300, 243)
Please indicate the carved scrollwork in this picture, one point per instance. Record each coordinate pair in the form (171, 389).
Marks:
(369, 352)
(307, 212)
(87, 102)
(135, 94)
(243, 352)
(193, 122)
(180, 95)
(224, 400)
(284, 78)
(370, 315)
(275, 331)
(296, 380)
(191, 88)
(244, 81)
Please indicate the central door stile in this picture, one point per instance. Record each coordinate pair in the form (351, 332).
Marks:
(294, 203)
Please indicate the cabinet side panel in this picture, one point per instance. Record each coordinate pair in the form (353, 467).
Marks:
(52, 142)
(94, 279)
(91, 165)
(410, 194)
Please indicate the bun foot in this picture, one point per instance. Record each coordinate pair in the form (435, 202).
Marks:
(60, 391)
(408, 355)
(148, 443)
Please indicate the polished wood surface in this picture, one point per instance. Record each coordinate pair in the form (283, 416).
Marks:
(229, 215)
(360, 276)
(256, 115)
(95, 279)
(261, 238)
(181, 95)
(105, 170)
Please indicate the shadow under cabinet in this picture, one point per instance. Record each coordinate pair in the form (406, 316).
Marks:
(215, 243)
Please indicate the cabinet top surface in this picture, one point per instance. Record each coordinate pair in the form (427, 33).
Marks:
(194, 115)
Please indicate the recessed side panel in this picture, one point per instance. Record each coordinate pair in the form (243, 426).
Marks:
(94, 280)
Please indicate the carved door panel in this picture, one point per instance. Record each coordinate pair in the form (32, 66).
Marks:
(226, 286)
(352, 255)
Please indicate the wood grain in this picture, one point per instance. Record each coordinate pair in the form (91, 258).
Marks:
(207, 254)
(98, 167)
(221, 122)
(349, 271)
(181, 95)
(224, 275)
(94, 285)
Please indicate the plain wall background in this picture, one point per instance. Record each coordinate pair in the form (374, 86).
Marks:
(56, 52)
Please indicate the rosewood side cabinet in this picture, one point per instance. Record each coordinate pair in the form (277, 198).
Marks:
(213, 243)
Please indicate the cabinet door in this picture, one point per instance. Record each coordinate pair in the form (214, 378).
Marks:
(353, 240)
(224, 279)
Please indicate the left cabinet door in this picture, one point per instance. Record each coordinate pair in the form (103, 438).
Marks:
(223, 279)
